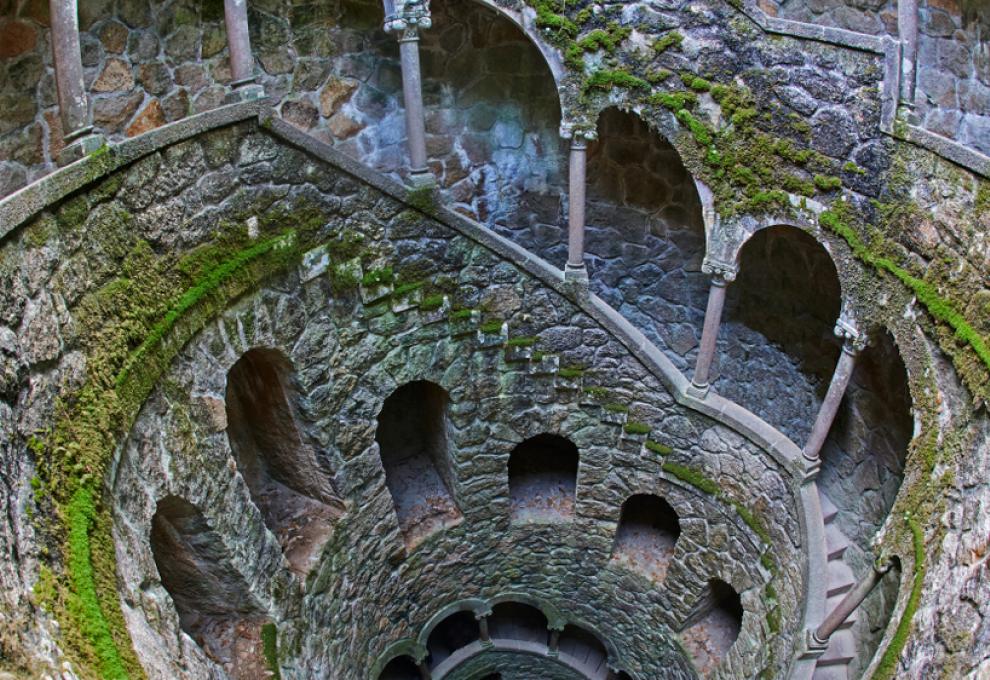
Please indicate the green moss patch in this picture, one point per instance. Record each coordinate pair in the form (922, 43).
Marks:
(887, 667)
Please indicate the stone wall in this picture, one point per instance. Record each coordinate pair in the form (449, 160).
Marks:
(348, 356)
(953, 87)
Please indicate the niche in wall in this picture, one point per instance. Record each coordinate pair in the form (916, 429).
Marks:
(713, 626)
(291, 489)
(647, 535)
(412, 441)
(212, 599)
(455, 632)
(543, 479)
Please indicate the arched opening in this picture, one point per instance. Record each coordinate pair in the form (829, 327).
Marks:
(543, 479)
(493, 120)
(645, 235)
(713, 626)
(454, 632)
(212, 599)
(401, 668)
(295, 496)
(647, 535)
(862, 468)
(518, 621)
(412, 441)
(777, 348)
(585, 649)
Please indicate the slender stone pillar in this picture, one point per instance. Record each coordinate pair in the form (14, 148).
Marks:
(73, 104)
(239, 46)
(553, 646)
(722, 275)
(575, 269)
(424, 670)
(853, 344)
(816, 641)
(849, 604)
(483, 633)
(907, 29)
(406, 18)
(412, 93)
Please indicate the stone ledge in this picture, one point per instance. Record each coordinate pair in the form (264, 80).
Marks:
(22, 205)
(948, 149)
(818, 32)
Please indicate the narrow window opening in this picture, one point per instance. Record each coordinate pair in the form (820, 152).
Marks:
(517, 621)
(296, 498)
(543, 479)
(647, 535)
(210, 597)
(454, 632)
(412, 440)
(712, 628)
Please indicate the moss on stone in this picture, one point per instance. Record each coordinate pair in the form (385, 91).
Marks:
(381, 276)
(616, 407)
(673, 39)
(658, 448)
(493, 327)
(432, 302)
(523, 341)
(608, 79)
(269, 642)
(638, 428)
(571, 373)
(887, 667)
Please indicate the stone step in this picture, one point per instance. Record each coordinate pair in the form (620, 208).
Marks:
(840, 578)
(835, 542)
(840, 672)
(841, 649)
(829, 511)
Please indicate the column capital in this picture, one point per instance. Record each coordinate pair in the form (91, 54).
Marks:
(854, 341)
(406, 17)
(578, 134)
(482, 613)
(719, 270)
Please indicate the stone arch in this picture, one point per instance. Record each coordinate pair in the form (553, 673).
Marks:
(713, 625)
(412, 444)
(454, 632)
(512, 620)
(406, 648)
(645, 236)
(296, 497)
(863, 462)
(493, 117)
(400, 668)
(213, 601)
(777, 348)
(543, 479)
(647, 535)
(554, 617)
(585, 647)
(474, 606)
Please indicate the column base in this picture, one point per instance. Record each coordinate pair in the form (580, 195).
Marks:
(813, 647)
(80, 148)
(575, 273)
(811, 469)
(698, 391)
(247, 92)
(421, 179)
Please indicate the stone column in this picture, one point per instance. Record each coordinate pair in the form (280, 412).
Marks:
(816, 641)
(722, 274)
(424, 670)
(907, 29)
(73, 104)
(483, 633)
(575, 269)
(553, 646)
(406, 18)
(239, 46)
(853, 344)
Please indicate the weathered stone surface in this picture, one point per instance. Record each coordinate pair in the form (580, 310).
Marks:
(149, 118)
(116, 76)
